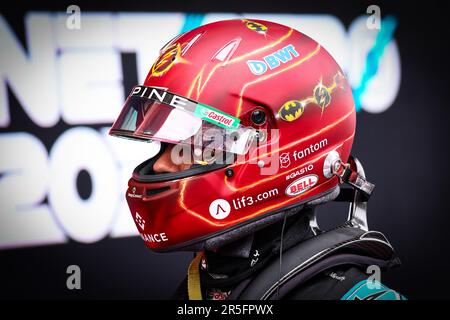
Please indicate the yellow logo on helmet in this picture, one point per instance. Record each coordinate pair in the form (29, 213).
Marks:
(166, 60)
(293, 109)
(255, 26)
(322, 95)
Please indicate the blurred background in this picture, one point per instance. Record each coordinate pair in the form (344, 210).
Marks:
(66, 70)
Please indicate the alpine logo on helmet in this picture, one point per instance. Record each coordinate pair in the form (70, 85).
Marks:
(163, 96)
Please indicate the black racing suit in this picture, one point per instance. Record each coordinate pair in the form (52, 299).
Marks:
(222, 271)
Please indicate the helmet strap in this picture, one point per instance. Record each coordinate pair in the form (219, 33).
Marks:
(193, 278)
(352, 173)
(349, 174)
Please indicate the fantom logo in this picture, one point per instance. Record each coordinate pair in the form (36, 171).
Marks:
(301, 185)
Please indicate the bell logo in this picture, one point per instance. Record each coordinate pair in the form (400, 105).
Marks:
(219, 209)
(301, 185)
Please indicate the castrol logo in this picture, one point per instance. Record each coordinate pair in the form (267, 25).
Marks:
(227, 121)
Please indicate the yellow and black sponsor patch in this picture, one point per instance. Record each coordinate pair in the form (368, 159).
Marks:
(291, 110)
(255, 26)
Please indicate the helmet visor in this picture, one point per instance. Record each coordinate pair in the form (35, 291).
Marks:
(152, 113)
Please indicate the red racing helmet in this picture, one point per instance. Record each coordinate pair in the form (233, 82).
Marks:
(262, 109)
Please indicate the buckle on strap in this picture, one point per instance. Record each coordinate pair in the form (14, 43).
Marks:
(351, 173)
(347, 174)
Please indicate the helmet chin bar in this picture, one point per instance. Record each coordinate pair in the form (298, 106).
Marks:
(351, 173)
